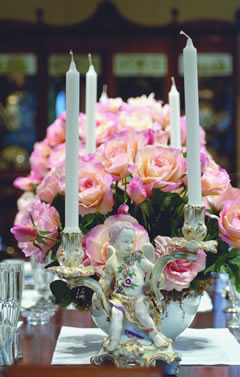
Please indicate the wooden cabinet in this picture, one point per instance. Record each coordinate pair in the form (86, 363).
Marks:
(131, 59)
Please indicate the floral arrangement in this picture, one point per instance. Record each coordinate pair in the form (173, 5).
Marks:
(135, 176)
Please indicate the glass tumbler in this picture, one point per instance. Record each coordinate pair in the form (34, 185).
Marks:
(11, 286)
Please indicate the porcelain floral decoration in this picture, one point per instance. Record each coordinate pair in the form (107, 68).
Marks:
(134, 176)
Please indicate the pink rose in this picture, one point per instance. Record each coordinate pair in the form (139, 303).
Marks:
(217, 201)
(57, 156)
(56, 132)
(95, 194)
(106, 120)
(159, 167)
(118, 153)
(26, 183)
(135, 120)
(52, 184)
(97, 239)
(39, 158)
(23, 204)
(179, 273)
(215, 180)
(229, 223)
(136, 190)
(154, 107)
(165, 116)
(24, 233)
(46, 218)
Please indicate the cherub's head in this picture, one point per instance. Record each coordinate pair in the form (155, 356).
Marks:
(122, 237)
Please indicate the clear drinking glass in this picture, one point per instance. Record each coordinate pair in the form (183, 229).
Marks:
(11, 286)
(234, 296)
(44, 307)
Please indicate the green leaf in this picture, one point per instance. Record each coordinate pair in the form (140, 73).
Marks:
(32, 221)
(43, 232)
(37, 245)
(66, 299)
(40, 240)
(233, 253)
(195, 284)
(235, 260)
(52, 264)
(59, 289)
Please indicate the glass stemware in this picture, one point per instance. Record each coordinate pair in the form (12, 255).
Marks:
(234, 296)
(44, 308)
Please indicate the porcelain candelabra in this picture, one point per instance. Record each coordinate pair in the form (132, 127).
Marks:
(126, 304)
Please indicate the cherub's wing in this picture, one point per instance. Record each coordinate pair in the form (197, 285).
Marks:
(110, 251)
(148, 251)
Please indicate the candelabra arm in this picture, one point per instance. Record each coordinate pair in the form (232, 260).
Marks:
(194, 231)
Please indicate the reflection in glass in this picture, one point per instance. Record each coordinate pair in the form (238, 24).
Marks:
(140, 73)
(215, 100)
(17, 119)
(138, 86)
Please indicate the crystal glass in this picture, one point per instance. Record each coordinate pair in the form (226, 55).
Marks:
(44, 307)
(11, 286)
(234, 297)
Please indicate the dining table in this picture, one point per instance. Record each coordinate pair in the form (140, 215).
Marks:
(37, 344)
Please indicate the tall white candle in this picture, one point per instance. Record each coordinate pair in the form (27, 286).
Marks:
(91, 99)
(174, 102)
(192, 120)
(104, 95)
(72, 148)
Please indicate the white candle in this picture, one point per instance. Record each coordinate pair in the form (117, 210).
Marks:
(72, 148)
(192, 122)
(91, 98)
(174, 102)
(104, 95)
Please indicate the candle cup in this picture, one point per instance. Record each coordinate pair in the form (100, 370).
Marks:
(194, 231)
(194, 227)
(72, 253)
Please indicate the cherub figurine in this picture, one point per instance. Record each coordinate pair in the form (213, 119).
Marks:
(126, 303)
(123, 280)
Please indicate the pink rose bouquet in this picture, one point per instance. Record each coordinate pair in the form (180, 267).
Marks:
(134, 175)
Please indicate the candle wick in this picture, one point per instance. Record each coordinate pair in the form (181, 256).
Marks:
(71, 53)
(173, 81)
(182, 32)
(90, 58)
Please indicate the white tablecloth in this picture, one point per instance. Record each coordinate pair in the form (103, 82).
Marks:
(75, 346)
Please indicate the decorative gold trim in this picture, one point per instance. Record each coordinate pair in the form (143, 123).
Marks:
(132, 353)
(194, 231)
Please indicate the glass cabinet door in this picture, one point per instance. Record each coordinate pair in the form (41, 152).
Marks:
(136, 74)
(17, 109)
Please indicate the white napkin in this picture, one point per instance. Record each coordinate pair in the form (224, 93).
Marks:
(29, 298)
(75, 346)
(205, 303)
